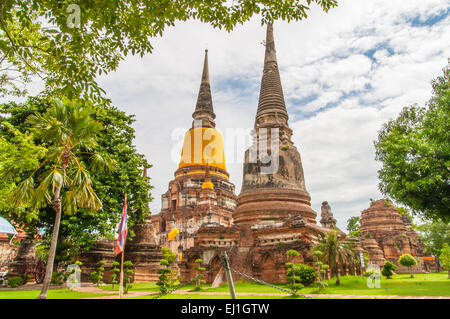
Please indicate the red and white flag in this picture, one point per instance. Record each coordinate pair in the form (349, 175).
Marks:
(122, 235)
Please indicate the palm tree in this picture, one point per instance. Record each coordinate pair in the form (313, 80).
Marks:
(63, 180)
(335, 251)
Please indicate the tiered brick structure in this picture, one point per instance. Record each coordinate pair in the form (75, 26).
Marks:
(273, 212)
(142, 251)
(387, 235)
(190, 202)
(273, 184)
(8, 252)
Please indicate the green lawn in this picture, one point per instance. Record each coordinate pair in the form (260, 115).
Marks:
(52, 294)
(143, 286)
(195, 296)
(435, 284)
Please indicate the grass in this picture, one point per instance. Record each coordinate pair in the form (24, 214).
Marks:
(434, 284)
(143, 286)
(52, 294)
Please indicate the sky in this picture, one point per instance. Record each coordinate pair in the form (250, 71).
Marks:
(344, 73)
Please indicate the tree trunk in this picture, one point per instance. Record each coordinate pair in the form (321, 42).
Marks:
(338, 282)
(438, 264)
(51, 256)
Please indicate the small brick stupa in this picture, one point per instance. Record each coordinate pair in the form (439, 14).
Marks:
(386, 235)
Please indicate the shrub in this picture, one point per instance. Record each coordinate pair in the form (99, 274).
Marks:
(321, 269)
(26, 279)
(387, 269)
(114, 272)
(408, 261)
(97, 275)
(200, 270)
(300, 273)
(168, 278)
(307, 274)
(14, 281)
(57, 278)
(127, 275)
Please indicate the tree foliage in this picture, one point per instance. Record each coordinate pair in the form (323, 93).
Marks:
(82, 229)
(336, 252)
(445, 258)
(388, 268)
(168, 277)
(62, 181)
(415, 153)
(97, 275)
(408, 261)
(434, 235)
(18, 153)
(199, 272)
(353, 225)
(69, 44)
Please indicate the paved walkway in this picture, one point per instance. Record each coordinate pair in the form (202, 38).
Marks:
(114, 294)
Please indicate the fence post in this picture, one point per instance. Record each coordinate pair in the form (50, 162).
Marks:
(228, 273)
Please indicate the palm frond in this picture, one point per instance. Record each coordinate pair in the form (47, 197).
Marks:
(24, 193)
(102, 163)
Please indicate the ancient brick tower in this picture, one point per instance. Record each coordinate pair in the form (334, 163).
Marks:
(387, 235)
(273, 186)
(191, 201)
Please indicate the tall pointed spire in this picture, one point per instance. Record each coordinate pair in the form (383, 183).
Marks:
(204, 109)
(271, 99)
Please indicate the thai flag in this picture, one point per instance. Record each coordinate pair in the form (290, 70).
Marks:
(122, 231)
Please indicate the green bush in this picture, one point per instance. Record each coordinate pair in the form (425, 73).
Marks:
(300, 273)
(387, 270)
(114, 273)
(14, 281)
(408, 261)
(97, 275)
(57, 278)
(127, 275)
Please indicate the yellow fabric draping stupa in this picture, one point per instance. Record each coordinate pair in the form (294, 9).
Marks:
(203, 145)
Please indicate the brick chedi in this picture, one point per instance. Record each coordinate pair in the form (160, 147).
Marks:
(273, 213)
(273, 184)
(187, 205)
(142, 251)
(387, 235)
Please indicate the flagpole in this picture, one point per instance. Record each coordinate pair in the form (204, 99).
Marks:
(121, 264)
